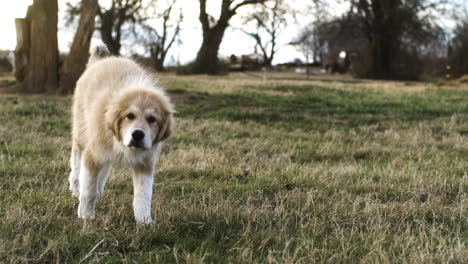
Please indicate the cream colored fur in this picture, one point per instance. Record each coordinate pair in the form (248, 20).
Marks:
(115, 97)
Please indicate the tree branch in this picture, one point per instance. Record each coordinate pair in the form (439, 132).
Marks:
(204, 16)
(246, 2)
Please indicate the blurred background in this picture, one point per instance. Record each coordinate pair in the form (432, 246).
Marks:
(46, 43)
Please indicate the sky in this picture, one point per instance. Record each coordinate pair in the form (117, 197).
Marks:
(234, 42)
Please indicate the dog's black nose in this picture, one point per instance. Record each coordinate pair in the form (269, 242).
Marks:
(138, 135)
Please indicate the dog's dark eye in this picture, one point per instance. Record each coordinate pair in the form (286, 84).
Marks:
(150, 119)
(131, 116)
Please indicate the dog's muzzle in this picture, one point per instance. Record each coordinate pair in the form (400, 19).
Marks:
(137, 139)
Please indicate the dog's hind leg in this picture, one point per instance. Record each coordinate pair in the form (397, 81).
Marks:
(75, 161)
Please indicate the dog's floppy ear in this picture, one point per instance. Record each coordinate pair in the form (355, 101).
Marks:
(113, 121)
(165, 129)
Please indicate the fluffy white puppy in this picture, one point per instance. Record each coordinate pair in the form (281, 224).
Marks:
(119, 115)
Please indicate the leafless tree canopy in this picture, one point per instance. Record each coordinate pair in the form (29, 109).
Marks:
(159, 41)
(268, 20)
(213, 32)
(112, 20)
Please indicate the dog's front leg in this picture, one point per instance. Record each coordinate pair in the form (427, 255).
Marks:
(142, 194)
(74, 179)
(88, 188)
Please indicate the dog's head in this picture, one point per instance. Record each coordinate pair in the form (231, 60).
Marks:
(140, 118)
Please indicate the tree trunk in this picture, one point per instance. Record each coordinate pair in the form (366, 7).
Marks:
(77, 58)
(207, 57)
(42, 70)
(267, 61)
(159, 64)
(107, 28)
(382, 52)
(23, 35)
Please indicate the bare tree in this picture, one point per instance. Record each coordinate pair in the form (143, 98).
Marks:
(312, 38)
(393, 29)
(112, 20)
(75, 62)
(459, 50)
(159, 41)
(305, 43)
(213, 32)
(326, 39)
(269, 20)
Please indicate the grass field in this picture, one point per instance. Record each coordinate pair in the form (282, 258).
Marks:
(271, 170)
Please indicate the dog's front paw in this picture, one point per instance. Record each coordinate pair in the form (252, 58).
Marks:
(85, 213)
(144, 220)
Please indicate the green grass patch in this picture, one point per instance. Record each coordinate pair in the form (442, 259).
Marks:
(312, 107)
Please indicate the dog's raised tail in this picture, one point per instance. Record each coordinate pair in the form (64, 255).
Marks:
(99, 52)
